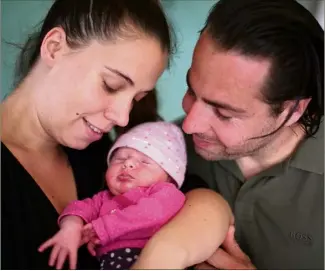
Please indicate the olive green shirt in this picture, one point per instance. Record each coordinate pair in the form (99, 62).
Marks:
(279, 214)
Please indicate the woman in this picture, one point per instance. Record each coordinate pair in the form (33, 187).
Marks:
(79, 77)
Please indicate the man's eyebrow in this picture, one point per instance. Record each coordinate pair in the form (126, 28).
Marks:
(224, 106)
(215, 103)
(127, 78)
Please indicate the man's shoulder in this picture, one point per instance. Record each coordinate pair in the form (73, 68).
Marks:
(309, 156)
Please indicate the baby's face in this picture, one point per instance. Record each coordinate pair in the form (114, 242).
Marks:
(130, 168)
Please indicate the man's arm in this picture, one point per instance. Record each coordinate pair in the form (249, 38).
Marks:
(192, 236)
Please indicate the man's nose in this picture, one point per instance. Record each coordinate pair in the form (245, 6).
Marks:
(197, 119)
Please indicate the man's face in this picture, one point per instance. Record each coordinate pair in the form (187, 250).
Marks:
(225, 112)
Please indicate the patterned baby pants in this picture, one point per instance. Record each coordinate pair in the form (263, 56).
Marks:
(119, 259)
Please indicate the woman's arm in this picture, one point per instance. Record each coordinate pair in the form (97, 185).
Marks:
(192, 236)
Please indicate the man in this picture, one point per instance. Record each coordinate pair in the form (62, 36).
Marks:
(254, 106)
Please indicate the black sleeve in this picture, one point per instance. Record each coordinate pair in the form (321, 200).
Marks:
(193, 181)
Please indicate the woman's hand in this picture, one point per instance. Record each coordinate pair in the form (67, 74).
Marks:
(65, 243)
(230, 256)
(90, 236)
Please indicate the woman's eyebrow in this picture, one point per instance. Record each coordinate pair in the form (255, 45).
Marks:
(127, 78)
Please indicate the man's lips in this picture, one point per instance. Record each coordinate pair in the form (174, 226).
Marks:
(200, 141)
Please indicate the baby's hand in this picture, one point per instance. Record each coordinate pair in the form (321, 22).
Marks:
(90, 236)
(65, 243)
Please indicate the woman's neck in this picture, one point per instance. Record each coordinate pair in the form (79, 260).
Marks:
(20, 125)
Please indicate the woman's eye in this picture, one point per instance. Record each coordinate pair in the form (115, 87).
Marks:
(107, 88)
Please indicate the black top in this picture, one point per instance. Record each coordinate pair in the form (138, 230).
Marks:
(28, 218)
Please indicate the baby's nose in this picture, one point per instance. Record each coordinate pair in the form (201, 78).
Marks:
(129, 164)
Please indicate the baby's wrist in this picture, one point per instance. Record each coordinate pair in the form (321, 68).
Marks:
(71, 221)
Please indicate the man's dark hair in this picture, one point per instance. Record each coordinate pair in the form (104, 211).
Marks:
(289, 36)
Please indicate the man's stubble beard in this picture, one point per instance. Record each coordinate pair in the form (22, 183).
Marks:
(250, 147)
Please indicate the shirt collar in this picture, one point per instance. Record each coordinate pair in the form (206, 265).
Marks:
(309, 156)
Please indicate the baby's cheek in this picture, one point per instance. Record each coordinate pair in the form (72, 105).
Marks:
(112, 170)
(107, 175)
(147, 178)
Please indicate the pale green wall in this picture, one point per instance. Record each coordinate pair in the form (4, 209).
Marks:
(19, 17)
(187, 16)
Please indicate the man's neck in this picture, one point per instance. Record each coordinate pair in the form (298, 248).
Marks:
(274, 153)
(20, 126)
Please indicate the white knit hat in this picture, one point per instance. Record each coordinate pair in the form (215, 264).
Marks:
(162, 141)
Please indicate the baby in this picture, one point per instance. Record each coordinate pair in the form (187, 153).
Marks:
(146, 168)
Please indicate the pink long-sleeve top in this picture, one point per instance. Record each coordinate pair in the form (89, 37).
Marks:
(130, 219)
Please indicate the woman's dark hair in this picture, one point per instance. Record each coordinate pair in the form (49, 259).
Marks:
(287, 34)
(84, 20)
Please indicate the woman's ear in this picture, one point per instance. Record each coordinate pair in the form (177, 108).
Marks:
(54, 45)
(299, 107)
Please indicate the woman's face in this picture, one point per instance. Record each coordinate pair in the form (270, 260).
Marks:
(86, 91)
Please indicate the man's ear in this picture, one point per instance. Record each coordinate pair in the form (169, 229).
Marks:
(299, 108)
(53, 46)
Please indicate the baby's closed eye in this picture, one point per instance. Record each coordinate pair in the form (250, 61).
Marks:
(147, 162)
(119, 158)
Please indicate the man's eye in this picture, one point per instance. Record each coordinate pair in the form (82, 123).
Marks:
(191, 92)
(222, 117)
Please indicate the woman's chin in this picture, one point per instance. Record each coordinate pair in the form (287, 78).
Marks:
(75, 144)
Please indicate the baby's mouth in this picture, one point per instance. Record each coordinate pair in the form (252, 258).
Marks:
(124, 177)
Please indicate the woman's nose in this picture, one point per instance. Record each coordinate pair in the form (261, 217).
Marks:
(120, 117)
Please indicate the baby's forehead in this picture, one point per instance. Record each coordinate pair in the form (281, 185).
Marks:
(131, 152)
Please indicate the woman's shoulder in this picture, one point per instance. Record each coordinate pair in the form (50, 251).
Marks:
(11, 170)
(6, 156)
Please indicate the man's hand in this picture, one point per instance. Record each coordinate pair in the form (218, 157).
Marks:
(230, 256)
